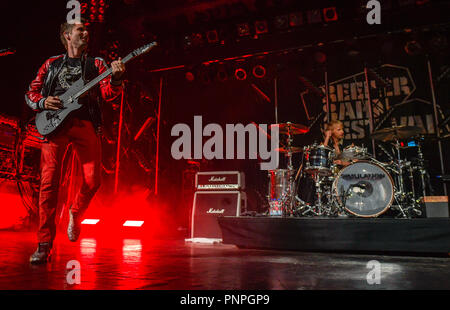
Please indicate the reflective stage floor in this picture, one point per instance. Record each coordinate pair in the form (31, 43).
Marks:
(144, 263)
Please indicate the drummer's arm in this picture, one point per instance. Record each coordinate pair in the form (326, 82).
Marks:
(342, 162)
(327, 137)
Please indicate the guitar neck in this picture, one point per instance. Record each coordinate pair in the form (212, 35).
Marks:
(95, 81)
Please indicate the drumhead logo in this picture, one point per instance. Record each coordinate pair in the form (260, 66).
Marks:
(363, 176)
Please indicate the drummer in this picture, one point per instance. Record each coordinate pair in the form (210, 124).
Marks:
(334, 138)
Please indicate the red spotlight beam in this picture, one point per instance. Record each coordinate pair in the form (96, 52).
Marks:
(302, 94)
(157, 135)
(116, 179)
(147, 123)
(259, 91)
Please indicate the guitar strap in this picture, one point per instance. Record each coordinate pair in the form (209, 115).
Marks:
(90, 72)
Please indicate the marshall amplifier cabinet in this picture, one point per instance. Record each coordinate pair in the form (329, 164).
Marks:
(220, 180)
(208, 206)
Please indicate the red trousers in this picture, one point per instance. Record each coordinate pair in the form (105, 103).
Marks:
(87, 146)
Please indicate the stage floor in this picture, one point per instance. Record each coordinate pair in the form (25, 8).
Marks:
(135, 263)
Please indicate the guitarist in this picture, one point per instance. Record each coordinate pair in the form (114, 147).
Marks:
(54, 77)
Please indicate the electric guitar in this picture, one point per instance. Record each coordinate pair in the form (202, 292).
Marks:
(48, 120)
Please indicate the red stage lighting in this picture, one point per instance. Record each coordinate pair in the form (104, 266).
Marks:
(261, 27)
(222, 74)
(197, 39)
(259, 71)
(212, 36)
(281, 22)
(320, 57)
(243, 30)
(133, 223)
(240, 74)
(13, 212)
(295, 19)
(330, 14)
(314, 16)
(90, 221)
(189, 76)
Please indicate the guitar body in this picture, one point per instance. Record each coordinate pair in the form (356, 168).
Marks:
(48, 120)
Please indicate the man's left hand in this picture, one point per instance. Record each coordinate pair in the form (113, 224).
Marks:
(118, 69)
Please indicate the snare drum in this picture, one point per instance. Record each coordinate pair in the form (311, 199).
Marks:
(318, 159)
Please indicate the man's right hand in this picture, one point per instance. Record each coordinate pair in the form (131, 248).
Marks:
(52, 103)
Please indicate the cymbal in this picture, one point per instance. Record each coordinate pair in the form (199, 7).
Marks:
(293, 149)
(396, 132)
(290, 128)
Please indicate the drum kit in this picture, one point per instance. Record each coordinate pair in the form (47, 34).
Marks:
(362, 187)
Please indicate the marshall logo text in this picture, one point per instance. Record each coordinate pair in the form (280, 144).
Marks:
(215, 211)
(217, 179)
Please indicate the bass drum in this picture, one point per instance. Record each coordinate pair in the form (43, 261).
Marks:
(364, 188)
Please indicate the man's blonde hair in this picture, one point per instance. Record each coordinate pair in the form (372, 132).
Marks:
(331, 124)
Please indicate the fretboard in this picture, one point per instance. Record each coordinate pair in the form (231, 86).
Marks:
(95, 81)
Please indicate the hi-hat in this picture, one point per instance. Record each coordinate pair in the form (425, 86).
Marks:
(290, 128)
(396, 132)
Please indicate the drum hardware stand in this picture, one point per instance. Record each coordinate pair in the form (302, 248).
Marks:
(401, 196)
(288, 206)
(369, 103)
(421, 166)
(436, 121)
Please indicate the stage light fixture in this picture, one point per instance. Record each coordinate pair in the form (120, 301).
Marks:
(281, 22)
(212, 36)
(413, 48)
(187, 41)
(330, 14)
(90, 221)
(314, 16)
(259, 71)
(197, 39)
(243, 29)
(205, 76)
(222, 74)
(320, 57)
(133, 223)
(189, 76)
(295, 19)
(261, 27)
(240, 74)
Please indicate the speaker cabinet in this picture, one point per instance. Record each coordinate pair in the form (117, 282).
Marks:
(209, 205)
(436, 206)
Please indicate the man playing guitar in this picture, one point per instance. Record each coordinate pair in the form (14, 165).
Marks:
(54, 77)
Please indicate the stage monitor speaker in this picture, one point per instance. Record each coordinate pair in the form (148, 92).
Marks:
(436, 206)
(209, 205)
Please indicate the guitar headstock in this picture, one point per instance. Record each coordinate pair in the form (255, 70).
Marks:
(144, 49)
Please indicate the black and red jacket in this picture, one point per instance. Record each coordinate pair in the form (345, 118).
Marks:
(44, 84)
